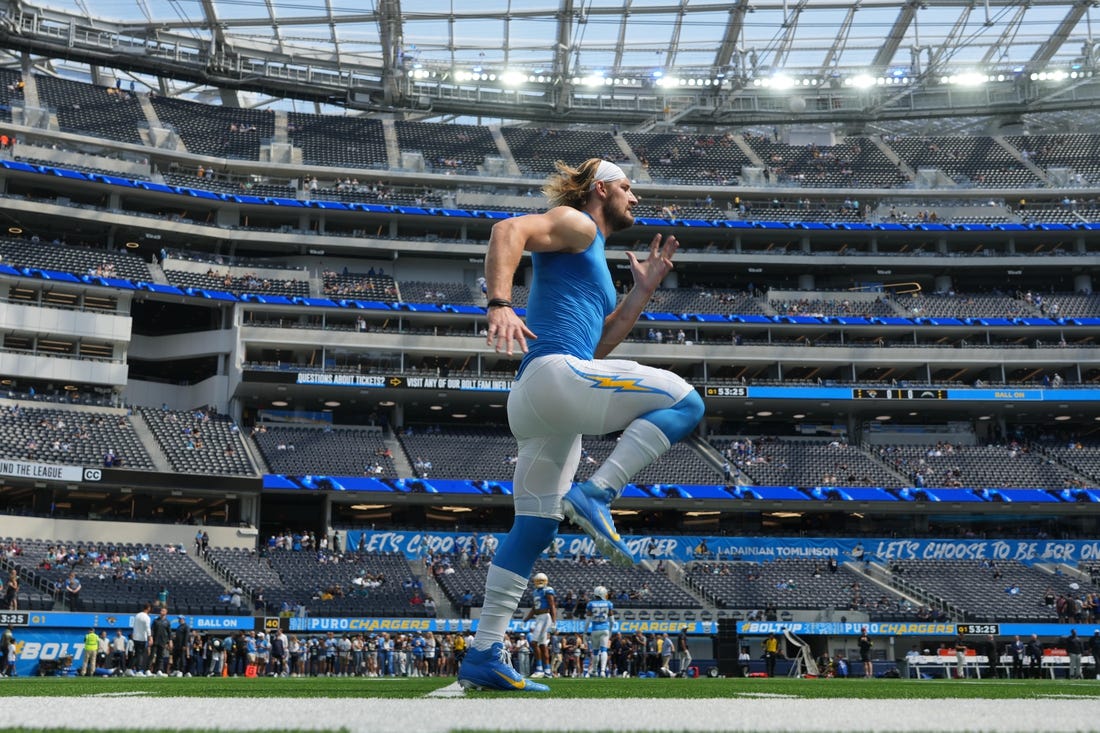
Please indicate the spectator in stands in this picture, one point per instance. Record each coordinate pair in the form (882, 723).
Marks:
(591, 202)
(11, 590)
(72, 590)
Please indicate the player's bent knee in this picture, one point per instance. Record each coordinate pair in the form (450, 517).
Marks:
(678, 421)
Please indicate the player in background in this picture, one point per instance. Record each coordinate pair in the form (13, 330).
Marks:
(544, 609)
(599, 613)
(566, 386)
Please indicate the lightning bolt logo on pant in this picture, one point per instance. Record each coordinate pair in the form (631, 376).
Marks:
(617, 383)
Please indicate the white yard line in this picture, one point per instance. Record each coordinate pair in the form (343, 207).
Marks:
(432, 715)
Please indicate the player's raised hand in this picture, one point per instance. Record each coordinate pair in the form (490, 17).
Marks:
(649, 273)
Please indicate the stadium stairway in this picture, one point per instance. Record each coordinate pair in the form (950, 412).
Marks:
(640, 173)
(678, 575)
(505, 151)
(1064, 570)
(316, 285)
(30, 88)
(221, 578)
(400, 460)
(874, 456)
(254, 455)
(156, 272)
(443, 606)
(152, 447)
(707, 451)
(1025, 162)
(739, 141)
(280, 135)
(893, 156)
(150, 111)
(157, 135)
(879, 575)
(393, 149)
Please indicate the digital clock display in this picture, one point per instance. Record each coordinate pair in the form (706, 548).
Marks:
(978, 628)
(14, 618)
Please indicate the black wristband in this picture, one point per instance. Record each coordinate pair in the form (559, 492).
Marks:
(499, 303)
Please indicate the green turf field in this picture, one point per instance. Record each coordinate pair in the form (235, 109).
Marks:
(407, 688)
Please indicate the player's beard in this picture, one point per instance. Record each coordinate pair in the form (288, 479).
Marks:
(617, 219)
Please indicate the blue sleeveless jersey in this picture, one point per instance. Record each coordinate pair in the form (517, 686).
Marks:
(599, 613)
(539, 598)
(571, 295)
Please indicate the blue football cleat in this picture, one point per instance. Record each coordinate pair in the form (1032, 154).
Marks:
(492, 670)
(589, 507)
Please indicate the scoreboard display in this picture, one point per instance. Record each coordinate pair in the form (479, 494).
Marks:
(864, 393)
(994, 629)
(727, 392)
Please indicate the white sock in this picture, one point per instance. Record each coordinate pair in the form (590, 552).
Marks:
(503, 590)
(640, 445)
(603, 662)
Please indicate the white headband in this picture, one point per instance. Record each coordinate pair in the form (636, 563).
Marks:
(607, 172)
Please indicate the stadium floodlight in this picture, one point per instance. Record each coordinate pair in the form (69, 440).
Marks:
(863, 81)
(512, 78)
(969, 79)
(782, 81)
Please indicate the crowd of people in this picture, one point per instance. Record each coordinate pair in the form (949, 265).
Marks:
(251, 282)
(161, 646)
(169, 647)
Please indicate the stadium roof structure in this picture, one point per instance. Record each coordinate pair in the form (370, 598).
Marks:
(641, 63)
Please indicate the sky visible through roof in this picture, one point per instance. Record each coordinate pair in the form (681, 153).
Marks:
(655, 34)
(818, 40)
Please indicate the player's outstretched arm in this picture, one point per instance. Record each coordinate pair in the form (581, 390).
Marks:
(648, 275)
